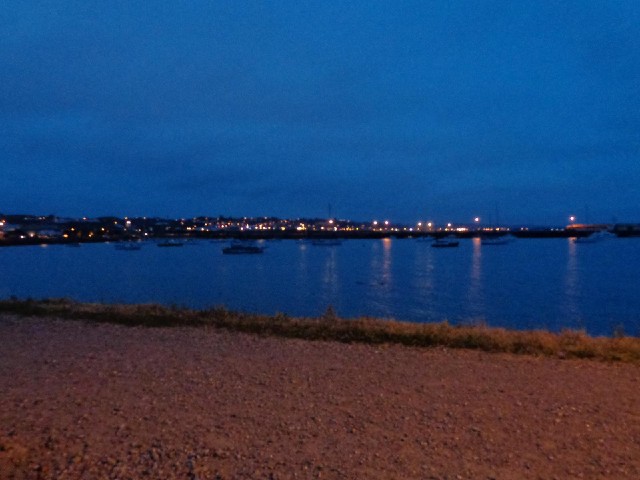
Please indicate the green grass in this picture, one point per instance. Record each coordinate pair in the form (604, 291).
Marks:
(567, 344)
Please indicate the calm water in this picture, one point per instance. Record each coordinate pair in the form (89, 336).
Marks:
(550, 283)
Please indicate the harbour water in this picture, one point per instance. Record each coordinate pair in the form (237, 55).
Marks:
(526, 284)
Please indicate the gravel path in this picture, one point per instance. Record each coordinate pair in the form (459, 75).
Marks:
(88, 401)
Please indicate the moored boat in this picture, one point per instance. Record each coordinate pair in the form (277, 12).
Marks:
(445, 242)
(495, 240)
(593, 238)
(170, 243)
(242, 249)
(129, 246)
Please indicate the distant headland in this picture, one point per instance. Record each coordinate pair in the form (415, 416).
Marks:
(26, 229)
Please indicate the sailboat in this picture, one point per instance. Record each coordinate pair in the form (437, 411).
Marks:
(495, 240)
(445, 242)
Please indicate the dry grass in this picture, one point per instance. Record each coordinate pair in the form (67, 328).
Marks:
(568, 344)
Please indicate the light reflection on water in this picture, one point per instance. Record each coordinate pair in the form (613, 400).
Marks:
(552, 283)
(330, 277)
(423, 275)
(571, 305)
(476, 295)
(380, 278)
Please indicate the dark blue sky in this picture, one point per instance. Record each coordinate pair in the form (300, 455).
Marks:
(401, 110)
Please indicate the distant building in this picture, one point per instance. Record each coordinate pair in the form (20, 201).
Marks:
(588, 227)
(627, 229)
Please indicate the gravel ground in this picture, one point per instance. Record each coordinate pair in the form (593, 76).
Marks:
(89, 401)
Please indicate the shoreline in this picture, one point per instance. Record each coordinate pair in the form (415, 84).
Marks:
(329, 327)
(100, 400)
(525, 234)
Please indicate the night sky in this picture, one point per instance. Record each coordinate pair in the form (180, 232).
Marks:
(406, 111)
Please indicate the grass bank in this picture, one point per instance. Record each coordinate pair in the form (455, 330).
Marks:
(567, 344)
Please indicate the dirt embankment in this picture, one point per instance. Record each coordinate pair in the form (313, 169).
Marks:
(103, 401)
